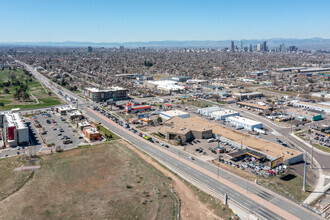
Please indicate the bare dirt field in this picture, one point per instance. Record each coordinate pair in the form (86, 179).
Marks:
(195, 204)
(104, 181)
(107, 181)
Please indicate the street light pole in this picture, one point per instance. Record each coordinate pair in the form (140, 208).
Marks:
(304, 181)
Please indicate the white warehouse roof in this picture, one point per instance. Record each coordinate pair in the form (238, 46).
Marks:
(243, 120)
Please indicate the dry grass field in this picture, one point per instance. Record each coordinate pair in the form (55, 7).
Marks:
(106, 181)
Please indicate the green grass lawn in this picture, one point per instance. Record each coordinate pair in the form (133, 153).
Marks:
(33, 87)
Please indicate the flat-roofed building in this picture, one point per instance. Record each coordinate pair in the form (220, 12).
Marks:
(75, 114)
(249, 95)
(166, 115)
(101, 95)
(179, 128)
(208, 110)
(223, 114)
(254, 106)
(63, 110)
(83, 124)
(91, 133)
(16, 131)
(244, 122)
(296, 112)
(322, 107)
(195, 127)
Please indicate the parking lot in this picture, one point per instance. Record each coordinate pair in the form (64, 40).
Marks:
(56, 131)
(317, 137)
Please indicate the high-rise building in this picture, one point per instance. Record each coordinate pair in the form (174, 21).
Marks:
(258, 47)
(250, 48)
(264, 46)
(90, 49)
(232, 46)
(241, 45)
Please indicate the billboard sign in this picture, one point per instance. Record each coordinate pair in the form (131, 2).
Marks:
(277, 162)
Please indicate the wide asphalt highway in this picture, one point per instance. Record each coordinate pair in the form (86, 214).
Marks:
(213, 184)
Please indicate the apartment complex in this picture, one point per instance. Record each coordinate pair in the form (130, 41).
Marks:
(98, 95)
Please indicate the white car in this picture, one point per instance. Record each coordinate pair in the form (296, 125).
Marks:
(191, 158)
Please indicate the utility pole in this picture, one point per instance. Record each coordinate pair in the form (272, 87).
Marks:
(304, 181)
(312, 155)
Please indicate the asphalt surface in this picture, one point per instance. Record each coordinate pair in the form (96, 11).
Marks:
(177, 164)
(52, 135)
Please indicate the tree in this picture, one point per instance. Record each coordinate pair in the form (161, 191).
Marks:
(49, 93)
(12, 75)
(6, 91)
(216, 97)
(26, 96)
(159, 120)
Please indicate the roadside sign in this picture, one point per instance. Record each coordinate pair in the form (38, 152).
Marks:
(277, 162)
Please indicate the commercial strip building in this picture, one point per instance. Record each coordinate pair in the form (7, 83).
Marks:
(223, 114)
(186, 129)
(132, 107)
(207, 111)
(166, 115)
(246, 96)
(257, 107)
(300, 113)
(16, 132)
(75, 114)
(64, 110)
(322, 107)
(83, 124)
(244, 122)
(101, 95)
(194, 127)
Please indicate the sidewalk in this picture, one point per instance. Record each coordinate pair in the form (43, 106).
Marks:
(319, 189)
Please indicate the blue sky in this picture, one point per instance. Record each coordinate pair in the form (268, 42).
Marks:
(155, 20)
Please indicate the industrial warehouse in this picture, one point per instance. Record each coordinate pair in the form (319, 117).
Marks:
(302, 115)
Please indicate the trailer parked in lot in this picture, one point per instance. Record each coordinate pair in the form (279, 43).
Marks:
(261, 131)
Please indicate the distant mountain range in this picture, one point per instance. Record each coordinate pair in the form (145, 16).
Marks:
(310, 43)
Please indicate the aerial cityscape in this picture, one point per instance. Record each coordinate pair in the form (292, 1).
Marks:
(165, 110)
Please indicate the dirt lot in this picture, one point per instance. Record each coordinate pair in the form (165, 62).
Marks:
(11, 181)
(105, 181)
(195, 204)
